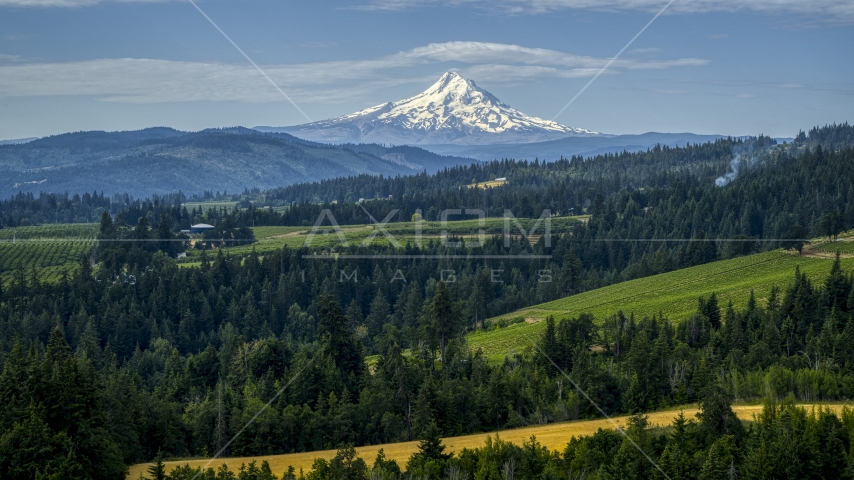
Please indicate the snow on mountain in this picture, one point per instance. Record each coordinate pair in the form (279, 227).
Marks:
(453, 110)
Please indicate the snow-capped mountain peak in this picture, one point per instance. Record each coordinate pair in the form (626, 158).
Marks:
(452, 110)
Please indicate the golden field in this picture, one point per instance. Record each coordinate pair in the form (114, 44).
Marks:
(554, 436)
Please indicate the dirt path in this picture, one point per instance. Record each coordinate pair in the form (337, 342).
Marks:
(320, 231)
(289, 234)
(554, 436)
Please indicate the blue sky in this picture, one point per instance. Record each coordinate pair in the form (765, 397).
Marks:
(708, 66)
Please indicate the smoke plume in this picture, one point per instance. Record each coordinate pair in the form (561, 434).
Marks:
(732, 174)
(746, 155)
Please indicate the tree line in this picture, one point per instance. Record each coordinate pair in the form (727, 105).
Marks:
(131, 356)
(784, 441)
(576, 181)
(109, 387)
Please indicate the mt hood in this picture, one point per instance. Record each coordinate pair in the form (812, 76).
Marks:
(452, 111)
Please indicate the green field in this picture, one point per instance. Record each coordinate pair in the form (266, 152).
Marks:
(270, 239)
(51, 249)
(57, 231)
(674, 294)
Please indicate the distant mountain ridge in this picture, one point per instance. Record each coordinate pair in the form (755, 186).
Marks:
(16, 141)
(453, 110)
(567, 147)
(164, 160)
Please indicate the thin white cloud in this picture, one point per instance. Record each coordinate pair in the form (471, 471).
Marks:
(500, 53)
(158, 81)
(833, 10)
(497, 74)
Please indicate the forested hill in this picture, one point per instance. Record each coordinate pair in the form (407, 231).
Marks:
(831, 137)
(131, 354)
(655, 167)
(99, 372)
(575, 178)
(565, 186)
(662, 194)
(163, 160)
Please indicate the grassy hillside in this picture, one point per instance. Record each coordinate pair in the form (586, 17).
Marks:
(674, 294)
(51, 249)
(553, 436)
(843, 245)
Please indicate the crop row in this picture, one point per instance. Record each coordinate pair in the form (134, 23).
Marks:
(41, 254)
(62, 230)
(843, 247)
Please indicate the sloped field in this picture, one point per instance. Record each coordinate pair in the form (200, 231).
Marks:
(674, 294)
(554, 436)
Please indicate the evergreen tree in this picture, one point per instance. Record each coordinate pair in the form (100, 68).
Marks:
(158, 469)
(720, 461)
(338, 342)
(430, 446)
(445, 316)
(716, 415)
(378, 316)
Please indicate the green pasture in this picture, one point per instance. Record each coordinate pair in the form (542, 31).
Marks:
(673, 294)
(270, 239)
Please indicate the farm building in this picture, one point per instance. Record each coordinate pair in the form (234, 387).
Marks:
(201, 228)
